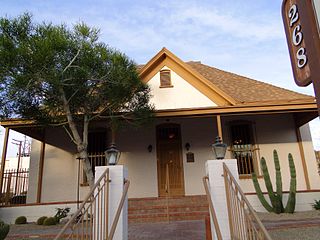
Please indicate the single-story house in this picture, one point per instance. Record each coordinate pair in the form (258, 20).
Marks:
(194, 103)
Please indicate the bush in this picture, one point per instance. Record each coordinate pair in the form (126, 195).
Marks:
(41, 220)
(50, 221)
(316, 205)
(21, 220)
(4, 230)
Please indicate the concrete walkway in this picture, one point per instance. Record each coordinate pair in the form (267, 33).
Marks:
(186, 230)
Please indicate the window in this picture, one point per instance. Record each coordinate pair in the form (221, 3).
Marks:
(165, 78)
(97, 145)
(243, 147)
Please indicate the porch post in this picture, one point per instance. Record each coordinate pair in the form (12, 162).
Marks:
(303, 158)
(218, 117)
(217, 188)
(4, 155)
(40, 171)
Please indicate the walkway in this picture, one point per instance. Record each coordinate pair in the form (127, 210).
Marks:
(186, 230)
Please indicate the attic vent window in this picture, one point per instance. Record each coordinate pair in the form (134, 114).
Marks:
(165, 79)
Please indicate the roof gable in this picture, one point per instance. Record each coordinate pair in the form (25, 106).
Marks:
(222, 87)
(166, 58)
(176, 93)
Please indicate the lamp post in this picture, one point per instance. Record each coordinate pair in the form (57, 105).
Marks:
(112, 155)
(219, 148)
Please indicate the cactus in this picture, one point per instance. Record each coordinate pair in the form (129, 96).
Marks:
(291, 203)
(276, 197)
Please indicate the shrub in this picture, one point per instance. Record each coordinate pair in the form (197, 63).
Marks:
(41, 220)
(21, 220)
(50, 221)
(4, 230)
(316, 204)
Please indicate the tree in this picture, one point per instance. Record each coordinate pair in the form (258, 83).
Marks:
(66, 77)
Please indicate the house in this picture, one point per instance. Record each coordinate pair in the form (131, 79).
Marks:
(194, 103)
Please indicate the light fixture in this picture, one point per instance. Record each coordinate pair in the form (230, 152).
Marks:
(219, 148)
(187, 146)
(150, 148)
(112, 155)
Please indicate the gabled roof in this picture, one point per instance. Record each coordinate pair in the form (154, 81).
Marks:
(166, 58)
(225, 88)
(245, 90)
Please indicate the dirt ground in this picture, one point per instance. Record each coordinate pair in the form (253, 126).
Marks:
(296, 226)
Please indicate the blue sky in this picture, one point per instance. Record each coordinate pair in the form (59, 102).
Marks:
(244, 37)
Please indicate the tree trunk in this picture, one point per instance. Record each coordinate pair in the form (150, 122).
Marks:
(87, 165)
(81, 143)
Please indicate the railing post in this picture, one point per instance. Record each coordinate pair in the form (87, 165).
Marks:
(214, 170)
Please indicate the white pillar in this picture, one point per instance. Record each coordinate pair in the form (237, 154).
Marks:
(117, 175)
(214, 170)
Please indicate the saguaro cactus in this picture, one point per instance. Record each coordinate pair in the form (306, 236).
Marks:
(276, 197)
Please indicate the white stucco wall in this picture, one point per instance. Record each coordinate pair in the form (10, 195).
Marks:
(278, 132)
(181, 95)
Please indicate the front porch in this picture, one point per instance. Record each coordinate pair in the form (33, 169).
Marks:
(144, 151)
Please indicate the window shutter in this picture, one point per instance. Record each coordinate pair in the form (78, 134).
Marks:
(165, 78)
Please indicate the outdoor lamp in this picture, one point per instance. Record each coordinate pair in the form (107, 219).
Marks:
(219, 148)
(112, 155)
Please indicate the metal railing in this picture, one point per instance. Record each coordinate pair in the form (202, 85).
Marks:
(95, 159)
(14, 187)
(243, 221)
(91, 221)
(211, 208)
(246, 155)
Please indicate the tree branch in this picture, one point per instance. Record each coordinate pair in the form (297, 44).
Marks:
(70, 63)
(85, 131)
(75, 92)
(72, 125)
(68, 132)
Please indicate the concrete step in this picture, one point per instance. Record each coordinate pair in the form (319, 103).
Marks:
(163, 209)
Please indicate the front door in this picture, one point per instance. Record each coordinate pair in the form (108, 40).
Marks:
(170, 166)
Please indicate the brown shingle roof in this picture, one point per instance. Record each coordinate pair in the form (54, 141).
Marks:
(246, 90)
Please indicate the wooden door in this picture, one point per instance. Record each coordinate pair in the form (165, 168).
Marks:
(170, 165)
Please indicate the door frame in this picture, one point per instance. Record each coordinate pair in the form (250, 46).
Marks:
(178, 126)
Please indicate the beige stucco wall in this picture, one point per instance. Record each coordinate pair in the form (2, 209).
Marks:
(181, 95)
(272, 132)
(278, 132)
(60, 170)
(142, 165)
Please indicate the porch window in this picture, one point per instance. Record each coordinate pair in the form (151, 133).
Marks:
(97, 144)
(165, 78)
(243, 147)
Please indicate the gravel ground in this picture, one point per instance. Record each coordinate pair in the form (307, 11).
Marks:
(288, 216)
(305, 233)
(302, 225)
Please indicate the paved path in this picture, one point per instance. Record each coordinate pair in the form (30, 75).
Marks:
(186, 230)
(183, 230)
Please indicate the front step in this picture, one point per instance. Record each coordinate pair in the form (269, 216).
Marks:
(162, 209)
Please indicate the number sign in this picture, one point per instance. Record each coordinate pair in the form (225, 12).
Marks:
(303, 39)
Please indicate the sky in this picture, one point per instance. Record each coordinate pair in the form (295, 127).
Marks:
(243, 37)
